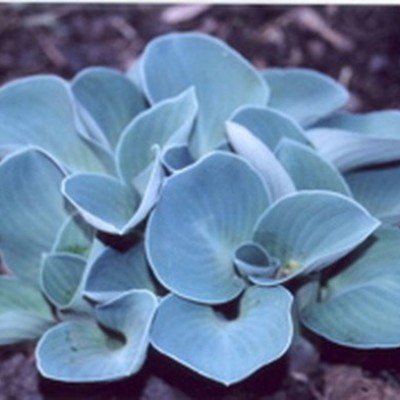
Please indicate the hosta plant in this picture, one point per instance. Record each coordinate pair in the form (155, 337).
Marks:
(198, 206)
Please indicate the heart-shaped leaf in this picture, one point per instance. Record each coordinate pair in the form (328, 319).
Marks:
(170, 65)
(166, 123)
(310, 230)
(269, 125)
(110, 101)
(40, 111)
(84, 351)
(308, 170)
(32, 210)
(24, 313)
(359, 306)
(275, 177)
(214, 215)
(377, 190)
(114, 272)
(303, 94)
(226, 351)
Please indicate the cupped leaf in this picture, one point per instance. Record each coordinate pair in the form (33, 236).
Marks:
(226, 351)
(202, 216)
(377, 190)
(32, 210)
(177, 157)
(275, 177)
(308, 170)
(310, 230)
(379, 124)
(24, 313)
(40, 111)
(359, 306)
(61, 280)
(115, 348)
(166, 123)
(223, 80)
(102, 200)
(350, 150)
(303, 94)
(110, 101)
(269, 125)
(114, 272)
(74, 236)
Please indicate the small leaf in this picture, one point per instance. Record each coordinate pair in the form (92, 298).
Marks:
(377, 190)
(32, 210)
(223, 80)
(275, 177)
(303, 94)
(358, 307)
(110, 100)
(310, 230)
(24, 313)
(214, 215)
(226, 351)
(114, 272)
(177, 157)
(168, 122)
(83, 351)
(269, 125)
(308, 170)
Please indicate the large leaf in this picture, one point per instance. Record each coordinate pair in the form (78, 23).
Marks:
(377, 189)
(202, 216)
(304, 94)
(40, 111)
(61, 280)
(310, 230)
(308, 170)
(269, 125)
(110, 100)
(275, 177)
(24, 313)
(110, 205)
(32, 210)
(350, 150)
(166, 123)
(359, 307)
(223, 80)
(83, 351)
(226, 351)
(114, 272)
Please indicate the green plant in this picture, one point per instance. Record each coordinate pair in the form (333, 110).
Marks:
(138, 208)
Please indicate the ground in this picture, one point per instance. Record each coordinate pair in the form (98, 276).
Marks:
(359, 46)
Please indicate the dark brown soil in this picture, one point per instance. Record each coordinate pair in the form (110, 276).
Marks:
(360, 46)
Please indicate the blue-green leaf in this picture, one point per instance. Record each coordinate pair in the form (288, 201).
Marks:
(110, 101)
(40, 111)
(226, 351)
(32, 210)
(303, 94)
(359, 307)
(24, 313)
(377, 189)
(177, 157)
(83, 351)
(223, 80)
(308, 170)
(269, 125)
(61, 280)
(168, 122)
(275, 177)
(310, 230)
(201, 218)
(114, 272)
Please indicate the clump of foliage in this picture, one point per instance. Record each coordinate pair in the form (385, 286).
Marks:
(138, 208)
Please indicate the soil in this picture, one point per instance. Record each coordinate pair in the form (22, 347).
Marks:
(359, 46)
